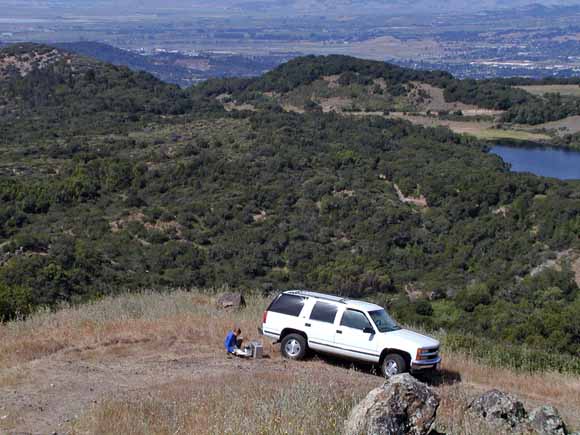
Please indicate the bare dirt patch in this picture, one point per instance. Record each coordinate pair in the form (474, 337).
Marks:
(163, 226)
(241, 107)
(332, 81)
(437, 103)
(419, 201)
(335, 104)
(24, 64)
(293, 108)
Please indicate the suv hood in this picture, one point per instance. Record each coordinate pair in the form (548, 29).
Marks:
(411, 338)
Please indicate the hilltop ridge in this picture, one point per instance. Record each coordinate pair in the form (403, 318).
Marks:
(153, 363)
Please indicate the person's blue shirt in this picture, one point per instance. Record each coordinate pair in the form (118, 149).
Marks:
(231, 342)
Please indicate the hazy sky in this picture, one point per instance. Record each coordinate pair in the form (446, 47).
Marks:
(290, 7)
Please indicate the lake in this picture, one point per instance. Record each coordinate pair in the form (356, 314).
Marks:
(548, 162)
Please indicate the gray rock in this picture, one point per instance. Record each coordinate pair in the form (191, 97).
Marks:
(546, 420)
(231, 301)
(499, 408)
(403, 405)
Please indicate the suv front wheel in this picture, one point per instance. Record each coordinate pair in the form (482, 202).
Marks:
(293, 346)
(393, 364)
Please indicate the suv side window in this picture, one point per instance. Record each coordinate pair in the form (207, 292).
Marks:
(324, 312)
(354, 319)
(287, 304)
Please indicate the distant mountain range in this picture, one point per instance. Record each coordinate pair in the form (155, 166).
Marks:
(177, 68)
(289, 7)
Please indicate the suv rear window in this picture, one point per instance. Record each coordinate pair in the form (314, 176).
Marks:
(287, 304)
(355, 319)
(323, 312)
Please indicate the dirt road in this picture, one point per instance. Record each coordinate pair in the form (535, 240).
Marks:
(46, 395)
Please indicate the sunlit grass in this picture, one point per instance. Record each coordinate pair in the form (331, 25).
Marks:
(312, 397)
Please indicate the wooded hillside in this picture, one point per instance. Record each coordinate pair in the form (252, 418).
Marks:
(113, 180)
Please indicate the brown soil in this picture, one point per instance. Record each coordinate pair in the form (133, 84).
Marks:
(50, 393)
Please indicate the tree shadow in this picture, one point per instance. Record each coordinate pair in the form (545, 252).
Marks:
(441, 377)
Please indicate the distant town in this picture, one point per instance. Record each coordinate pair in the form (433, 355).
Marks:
(533, 41)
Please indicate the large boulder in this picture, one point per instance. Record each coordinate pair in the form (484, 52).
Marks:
(227, 301)
(403, 405)
(546, 420)
(498, 408)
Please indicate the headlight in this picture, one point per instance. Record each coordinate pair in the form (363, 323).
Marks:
(424, 354)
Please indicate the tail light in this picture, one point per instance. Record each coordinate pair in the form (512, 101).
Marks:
(264, 316)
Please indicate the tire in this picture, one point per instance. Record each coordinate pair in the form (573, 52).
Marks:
(294, 347)
(393, 364)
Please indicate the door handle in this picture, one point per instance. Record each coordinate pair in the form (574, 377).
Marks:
(338, 331)
(307, 324)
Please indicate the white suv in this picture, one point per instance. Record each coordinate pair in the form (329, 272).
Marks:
(358, 330)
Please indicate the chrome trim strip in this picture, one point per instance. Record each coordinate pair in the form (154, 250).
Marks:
(429, 362)
(271, 332)
(343, 348)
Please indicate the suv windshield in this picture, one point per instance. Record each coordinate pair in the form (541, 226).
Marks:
(383, 321)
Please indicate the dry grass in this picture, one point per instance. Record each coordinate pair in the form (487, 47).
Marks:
(479, 129)
(127, 318)
(569, 90)
(559, 390)
(562, 127)
(266, 403)
(13, 377)
(273, 397)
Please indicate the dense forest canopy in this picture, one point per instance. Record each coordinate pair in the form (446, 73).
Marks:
(112, 180)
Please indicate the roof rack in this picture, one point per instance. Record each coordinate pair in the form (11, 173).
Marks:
(311, 294)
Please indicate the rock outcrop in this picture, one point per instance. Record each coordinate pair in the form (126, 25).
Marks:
(498, 408)
(506, 413)
(230, 301)
(546, 420)
(403, 405)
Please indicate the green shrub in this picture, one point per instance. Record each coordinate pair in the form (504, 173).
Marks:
(14, 301)
(469, 298)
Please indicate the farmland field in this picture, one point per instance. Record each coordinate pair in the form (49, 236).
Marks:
(479, 129)
(570, 90)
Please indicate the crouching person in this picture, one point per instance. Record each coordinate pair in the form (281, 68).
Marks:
(233, 342)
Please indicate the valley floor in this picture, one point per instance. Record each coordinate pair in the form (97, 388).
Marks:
(153, 364)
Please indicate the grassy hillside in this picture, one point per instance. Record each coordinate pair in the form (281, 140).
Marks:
(112, 180)
(152, 363)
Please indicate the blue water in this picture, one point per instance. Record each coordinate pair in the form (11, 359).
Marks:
(548, 162)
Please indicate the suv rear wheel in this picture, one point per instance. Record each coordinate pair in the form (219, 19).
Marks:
(393, 364)
(293, 346)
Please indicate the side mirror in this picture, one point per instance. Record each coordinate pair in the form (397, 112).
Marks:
(369, 330)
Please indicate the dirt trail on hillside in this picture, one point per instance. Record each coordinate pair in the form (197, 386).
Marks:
(49, 393)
